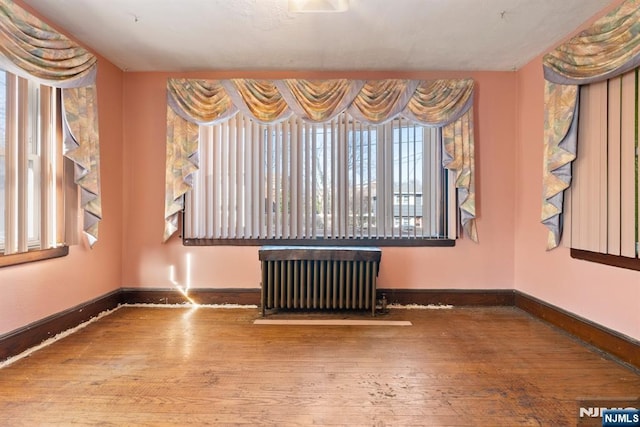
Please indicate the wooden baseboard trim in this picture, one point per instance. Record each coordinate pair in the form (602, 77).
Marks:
(198, 296)
(618, 345)
(21, 339)
(455, 297)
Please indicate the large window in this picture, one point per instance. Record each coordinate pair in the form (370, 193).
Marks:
(603, 204)
(30, 170)
(301, 182)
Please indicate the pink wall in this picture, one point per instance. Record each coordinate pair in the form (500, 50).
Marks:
(606, 295)
(33, 291)
(149, 263)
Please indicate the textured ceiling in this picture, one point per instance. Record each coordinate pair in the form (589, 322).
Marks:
(190, 35)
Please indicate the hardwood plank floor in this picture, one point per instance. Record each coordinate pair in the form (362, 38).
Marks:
(202, 366)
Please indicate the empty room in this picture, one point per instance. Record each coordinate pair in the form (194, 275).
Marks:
(319, 212)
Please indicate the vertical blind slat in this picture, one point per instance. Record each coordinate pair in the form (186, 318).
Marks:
(603, 184)
(294, 177)
(627, 167)
(637, 153)
(22, 159)
(47, 144)
(613, 165)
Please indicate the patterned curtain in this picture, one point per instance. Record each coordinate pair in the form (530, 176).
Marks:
(610, 47)
(32, 49)
(442, 103)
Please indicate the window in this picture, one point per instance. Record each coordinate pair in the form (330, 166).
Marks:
(30, 170)
(299, 182)
(603, 202)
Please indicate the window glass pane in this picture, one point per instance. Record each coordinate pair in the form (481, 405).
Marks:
(407, 178)
(33, 203)
(33, 166)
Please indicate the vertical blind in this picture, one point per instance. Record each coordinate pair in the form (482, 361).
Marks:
(341, 179)
(603, 201)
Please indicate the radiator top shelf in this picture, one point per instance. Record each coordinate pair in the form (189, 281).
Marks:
(320, 253)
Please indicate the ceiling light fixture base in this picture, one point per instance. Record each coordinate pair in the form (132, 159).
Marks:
(318, 6)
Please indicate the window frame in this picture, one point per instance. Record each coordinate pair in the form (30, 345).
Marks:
(37, 221)
(604, 257)
(449, 201)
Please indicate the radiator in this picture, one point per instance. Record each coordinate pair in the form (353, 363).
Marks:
(319, 278)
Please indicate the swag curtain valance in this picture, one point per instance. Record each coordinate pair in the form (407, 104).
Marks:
(610, 47)
(440, 103)
(30, 48)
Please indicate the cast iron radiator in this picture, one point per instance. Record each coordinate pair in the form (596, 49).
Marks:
(319, 278)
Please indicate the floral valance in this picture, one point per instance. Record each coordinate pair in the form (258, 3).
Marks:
(30, 48)
(608, 48)
(439, 103)
(435, 103)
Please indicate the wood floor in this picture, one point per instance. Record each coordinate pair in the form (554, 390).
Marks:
(202, 366)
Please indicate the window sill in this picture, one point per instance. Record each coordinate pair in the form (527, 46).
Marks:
(32, 256)
(408, 242)
(613, 260)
